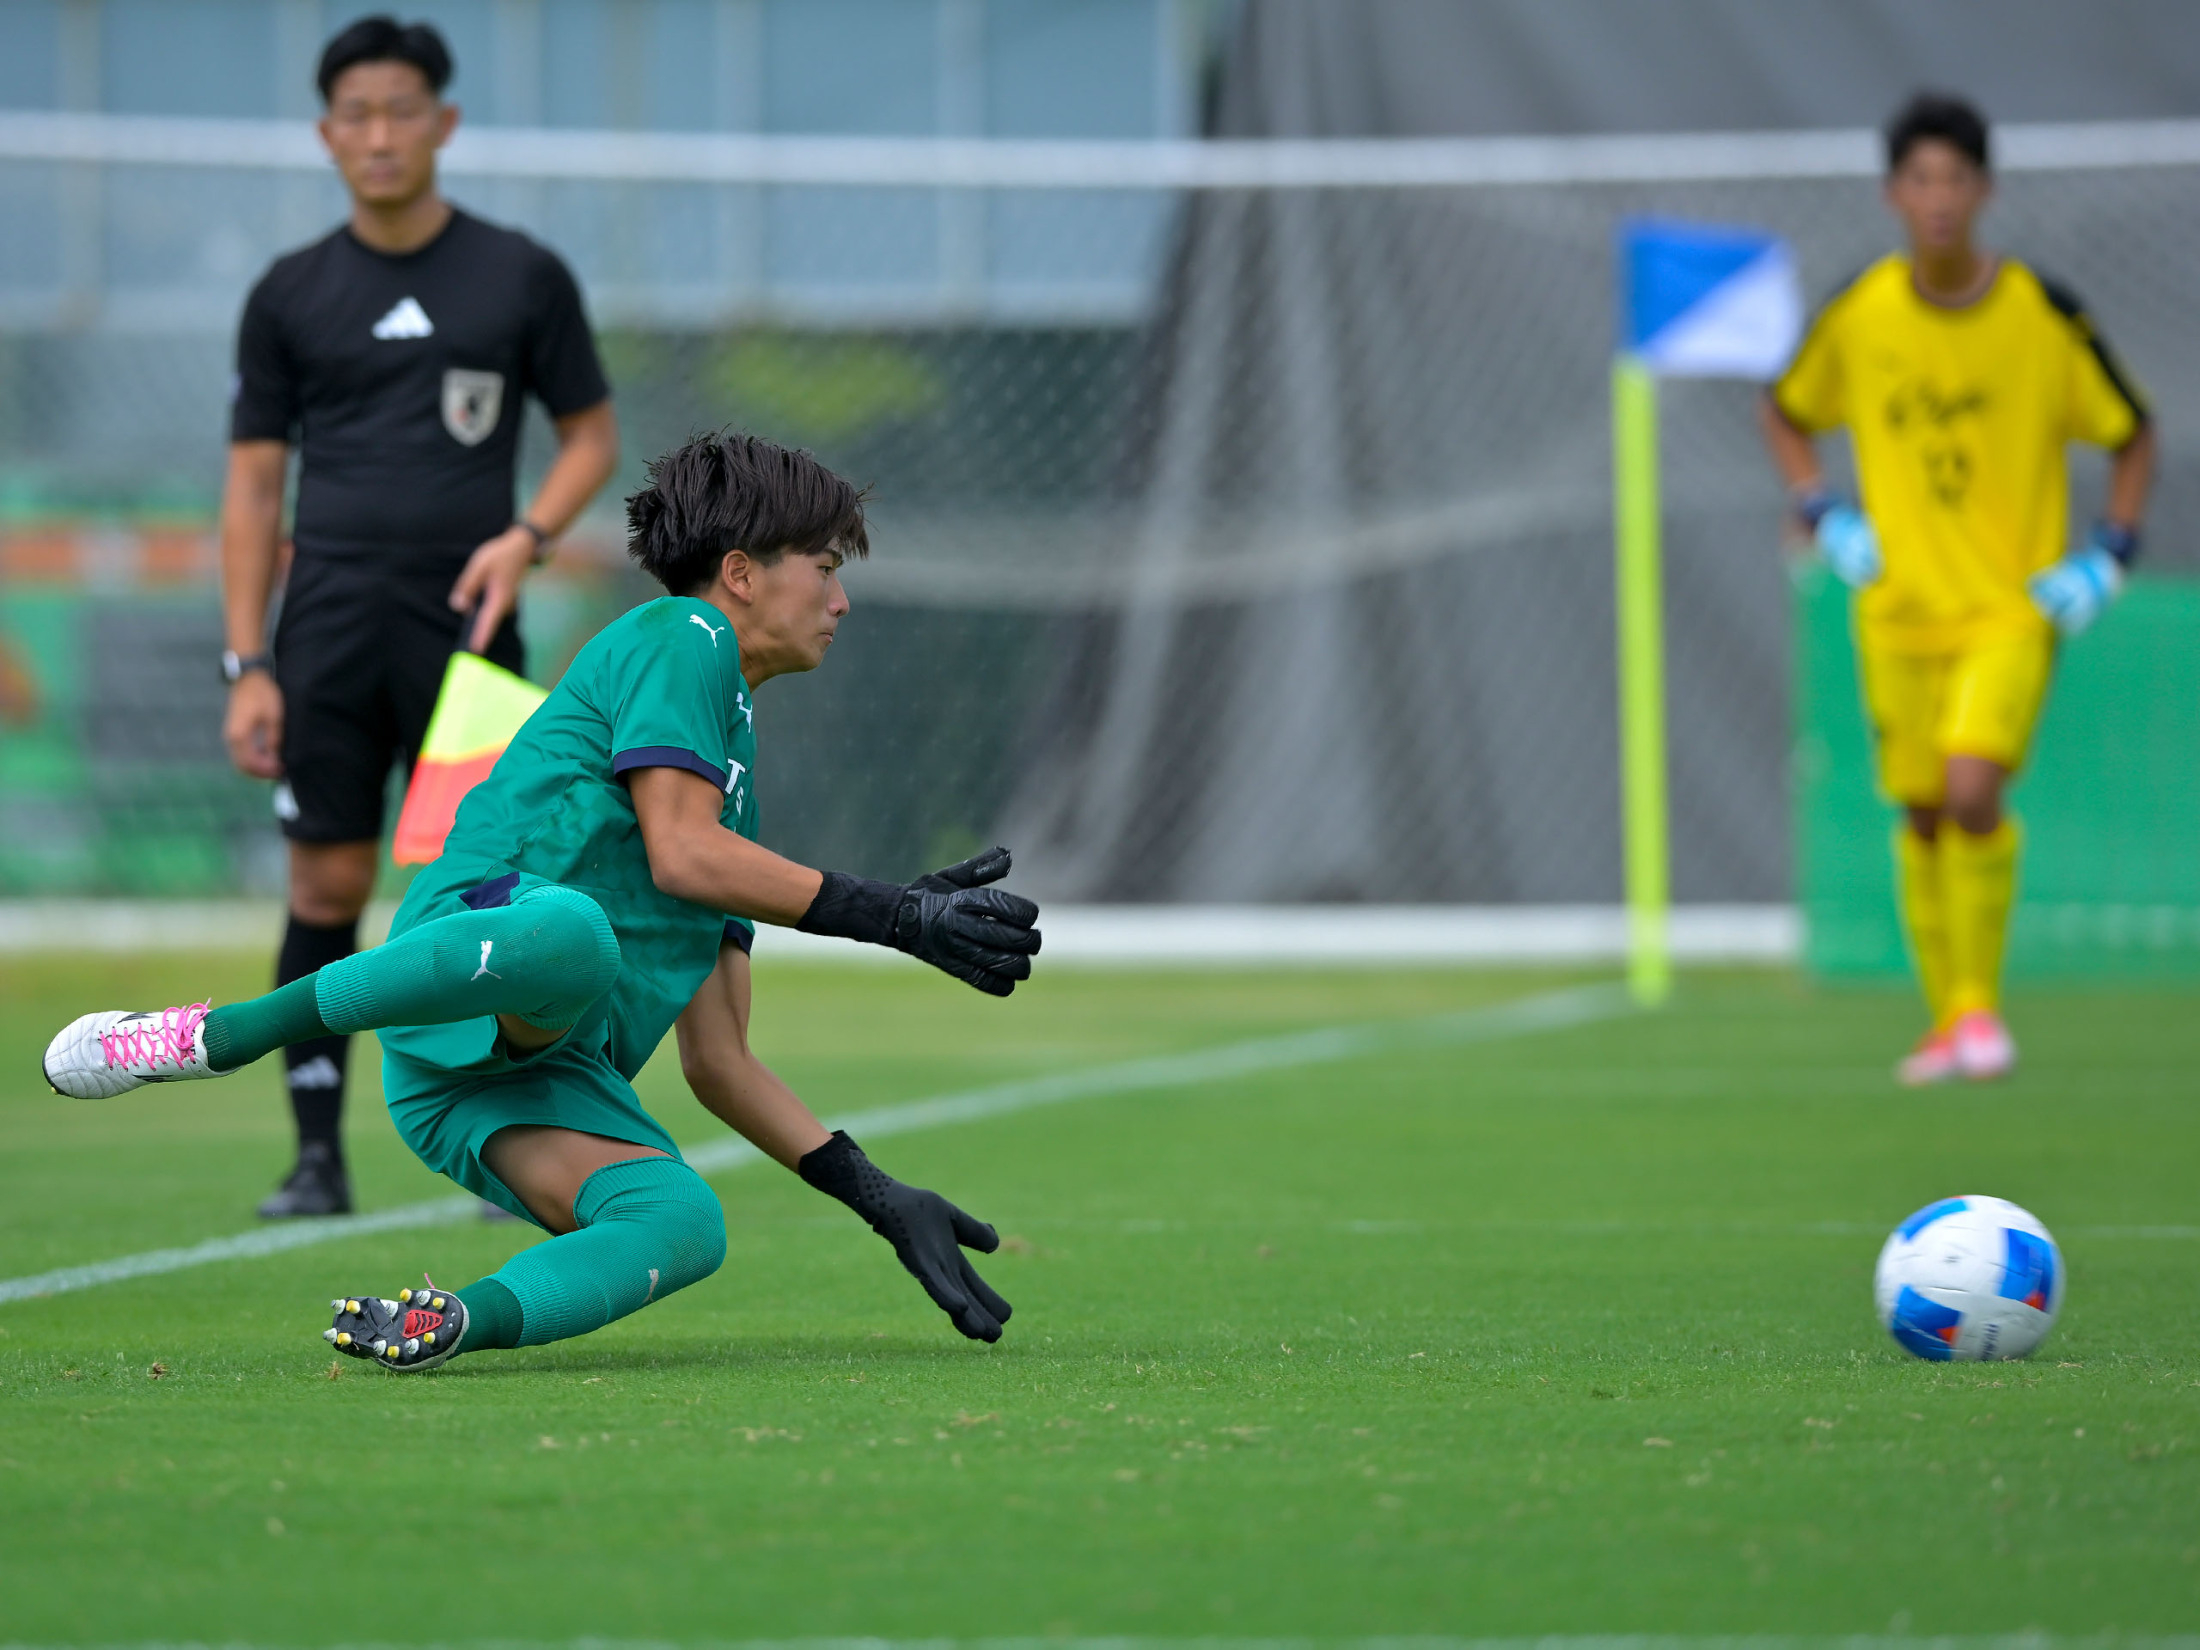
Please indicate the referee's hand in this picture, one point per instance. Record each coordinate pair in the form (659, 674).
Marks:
(490, 584)
(252, 727)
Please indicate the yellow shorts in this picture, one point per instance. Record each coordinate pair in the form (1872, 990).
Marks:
(1926, 707)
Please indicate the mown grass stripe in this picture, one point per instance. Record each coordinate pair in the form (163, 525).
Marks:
(1325, 1045)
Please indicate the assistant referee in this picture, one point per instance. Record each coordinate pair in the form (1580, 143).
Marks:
(395, 354)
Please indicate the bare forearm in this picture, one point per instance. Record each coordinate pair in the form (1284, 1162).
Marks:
(695, 858)
(731, 1082)
(724, 872)
(2131, 478)
(588, 451)
(251, 541)
(748, 1097)
(1794, 454)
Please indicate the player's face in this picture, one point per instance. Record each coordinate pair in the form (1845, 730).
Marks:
(383, 127)
(798, 604)
(1938, 192)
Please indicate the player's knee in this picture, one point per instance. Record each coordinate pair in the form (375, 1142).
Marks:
(684, 1221)
(695, 1229)
(576, 930)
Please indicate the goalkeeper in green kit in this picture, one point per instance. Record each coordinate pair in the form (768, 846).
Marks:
(581, 909)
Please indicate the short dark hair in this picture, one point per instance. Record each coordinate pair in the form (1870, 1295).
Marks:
(1941, 117)
(738, 492)
(383, 39)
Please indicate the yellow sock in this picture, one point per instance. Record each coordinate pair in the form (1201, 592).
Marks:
(1979, 884)
(1924, 917)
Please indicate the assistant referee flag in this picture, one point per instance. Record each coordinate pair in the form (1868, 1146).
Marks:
(480, 707)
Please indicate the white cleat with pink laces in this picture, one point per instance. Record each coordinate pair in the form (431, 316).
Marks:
(116, 1051)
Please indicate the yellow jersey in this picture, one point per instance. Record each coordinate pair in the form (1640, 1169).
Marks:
(1959, 420)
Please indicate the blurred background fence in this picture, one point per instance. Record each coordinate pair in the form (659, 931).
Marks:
(1242, 507)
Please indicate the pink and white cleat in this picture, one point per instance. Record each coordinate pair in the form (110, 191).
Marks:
(1932, 1061)
(116, 1051)
(1984, 1048)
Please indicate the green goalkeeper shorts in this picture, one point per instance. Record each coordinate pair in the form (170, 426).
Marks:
(450, 1087)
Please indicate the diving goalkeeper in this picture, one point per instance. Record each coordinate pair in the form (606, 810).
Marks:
(581, 909)
(1961, 376)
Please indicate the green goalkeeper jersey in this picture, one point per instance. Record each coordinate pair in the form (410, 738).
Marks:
(659, 687)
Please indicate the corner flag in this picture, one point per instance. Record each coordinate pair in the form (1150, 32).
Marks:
(1703, 301)
(480, 707)
(1695, 301)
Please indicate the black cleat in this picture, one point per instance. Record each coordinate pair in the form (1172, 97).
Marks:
(416, 1331)
(317, 1186)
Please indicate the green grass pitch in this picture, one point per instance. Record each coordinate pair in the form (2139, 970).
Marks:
(1564, 1333)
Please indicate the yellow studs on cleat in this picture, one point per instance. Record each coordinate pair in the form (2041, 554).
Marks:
(352, 1307)
(389, 1351)
(428, 1339)
(405, 1296)
(437, 1303)
(343, 1337)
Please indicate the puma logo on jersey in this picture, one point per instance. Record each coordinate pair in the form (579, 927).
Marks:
(748, 711)
(487, 946)
(716, 631)
(652, 1295)
(406, 320)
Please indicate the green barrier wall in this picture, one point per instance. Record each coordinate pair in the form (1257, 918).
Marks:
(2110, 804)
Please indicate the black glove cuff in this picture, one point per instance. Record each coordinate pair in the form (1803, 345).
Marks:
(839, 1169)
(853, 908)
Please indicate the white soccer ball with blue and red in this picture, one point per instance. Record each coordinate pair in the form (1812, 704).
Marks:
(1968, 1279)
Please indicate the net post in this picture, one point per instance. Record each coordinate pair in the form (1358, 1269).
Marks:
(1639, 606)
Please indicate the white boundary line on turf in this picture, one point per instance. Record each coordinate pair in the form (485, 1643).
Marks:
(1086, 935)
(1324, 1046)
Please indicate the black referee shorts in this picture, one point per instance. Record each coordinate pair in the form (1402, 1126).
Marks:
(359, 654)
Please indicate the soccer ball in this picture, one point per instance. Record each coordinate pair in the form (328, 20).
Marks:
(1969, 1278)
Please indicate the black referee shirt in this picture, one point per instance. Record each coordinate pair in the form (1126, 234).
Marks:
(399, 377)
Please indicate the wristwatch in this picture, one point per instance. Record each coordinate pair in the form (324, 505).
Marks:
(234, 665)
(539, 535)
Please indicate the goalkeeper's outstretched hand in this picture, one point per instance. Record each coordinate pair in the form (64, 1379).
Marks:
(928, 1233)
(952, 919)
(981, 935)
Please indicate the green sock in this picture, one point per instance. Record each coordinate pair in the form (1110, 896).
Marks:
(545, 958)
(648, 1226)
(239, 1033)
(492, 1316)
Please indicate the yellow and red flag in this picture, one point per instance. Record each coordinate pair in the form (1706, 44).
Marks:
(481, 706)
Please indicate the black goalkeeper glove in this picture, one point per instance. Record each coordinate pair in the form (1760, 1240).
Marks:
(950, 919)
(928, 1233)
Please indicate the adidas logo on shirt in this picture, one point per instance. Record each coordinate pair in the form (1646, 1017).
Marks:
(406, 320)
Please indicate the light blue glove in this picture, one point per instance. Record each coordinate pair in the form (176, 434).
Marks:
(2078, 589)
(1844, 536)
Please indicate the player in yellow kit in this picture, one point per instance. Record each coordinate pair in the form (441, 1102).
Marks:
(1961, 377)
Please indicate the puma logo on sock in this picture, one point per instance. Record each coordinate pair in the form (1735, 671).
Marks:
(486, 947)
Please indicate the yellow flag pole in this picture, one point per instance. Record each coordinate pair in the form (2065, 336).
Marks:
(1641, 678)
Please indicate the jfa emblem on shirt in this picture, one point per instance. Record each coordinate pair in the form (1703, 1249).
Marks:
(471, 402)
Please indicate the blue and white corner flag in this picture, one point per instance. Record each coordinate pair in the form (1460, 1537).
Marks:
(1706, 301)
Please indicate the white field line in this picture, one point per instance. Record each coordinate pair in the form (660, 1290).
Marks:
(1324, 1046)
